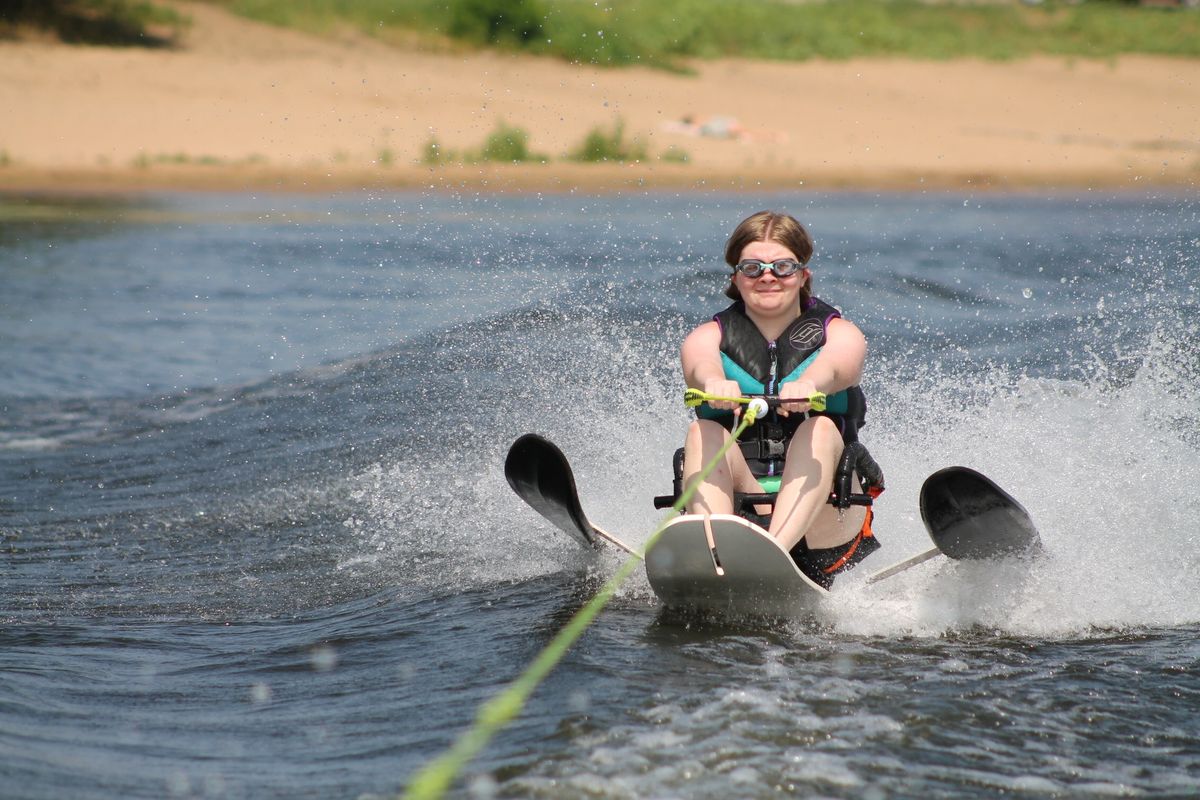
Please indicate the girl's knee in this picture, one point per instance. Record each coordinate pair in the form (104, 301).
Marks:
(823, 436)
(826, 429)
(702, 429)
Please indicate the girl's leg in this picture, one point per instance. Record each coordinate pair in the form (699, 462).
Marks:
(715, 495)
(801, 508)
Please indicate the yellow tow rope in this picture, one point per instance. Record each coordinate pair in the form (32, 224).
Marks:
(435, 778)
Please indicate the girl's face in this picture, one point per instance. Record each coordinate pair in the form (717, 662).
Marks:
(768, 293)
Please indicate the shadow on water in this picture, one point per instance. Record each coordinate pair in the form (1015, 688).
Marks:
(30, 219)
(673, 627)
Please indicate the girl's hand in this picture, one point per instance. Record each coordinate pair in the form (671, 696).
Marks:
(800, 390)
(724, 388)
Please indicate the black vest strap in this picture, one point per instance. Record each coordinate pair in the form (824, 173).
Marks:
(742, 341)
(764, 444)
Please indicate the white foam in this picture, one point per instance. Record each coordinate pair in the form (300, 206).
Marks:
(1103, 471)
(1102, 464)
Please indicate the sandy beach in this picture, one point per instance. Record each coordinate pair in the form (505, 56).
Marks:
(240, 105)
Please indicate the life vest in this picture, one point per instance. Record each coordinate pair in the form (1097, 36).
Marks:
(761, 367)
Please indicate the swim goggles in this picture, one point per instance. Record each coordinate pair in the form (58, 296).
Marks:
(753, 267)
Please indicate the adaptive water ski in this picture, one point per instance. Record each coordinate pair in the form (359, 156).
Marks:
(726, 564)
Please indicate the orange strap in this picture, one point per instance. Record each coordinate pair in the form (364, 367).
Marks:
(865, 533)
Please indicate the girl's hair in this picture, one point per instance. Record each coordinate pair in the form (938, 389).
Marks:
(770, 226)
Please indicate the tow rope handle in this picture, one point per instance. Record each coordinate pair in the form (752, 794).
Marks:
(695, 397)
(855, 458)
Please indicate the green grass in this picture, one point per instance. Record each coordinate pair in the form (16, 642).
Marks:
(666, 32)
(147, 160)
(599, 145)
(675, 155)
(505, 144)
(508, 144)
(433, 153)
(105, 22)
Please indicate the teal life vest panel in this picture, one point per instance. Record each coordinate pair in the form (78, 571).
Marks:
(761, 367)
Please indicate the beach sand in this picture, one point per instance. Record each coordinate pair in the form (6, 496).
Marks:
(240, 106)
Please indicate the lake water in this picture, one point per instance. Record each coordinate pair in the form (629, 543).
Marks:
(255, 540)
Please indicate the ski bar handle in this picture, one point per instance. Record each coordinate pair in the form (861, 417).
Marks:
(748, 501)
(694, 397)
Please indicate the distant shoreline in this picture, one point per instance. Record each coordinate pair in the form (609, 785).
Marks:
(550, 178)
(242, 106)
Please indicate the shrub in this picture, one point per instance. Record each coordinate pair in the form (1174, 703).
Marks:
(599, 145)
(675, 155)
(496, 21)
(507, 143)
(433, 153)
